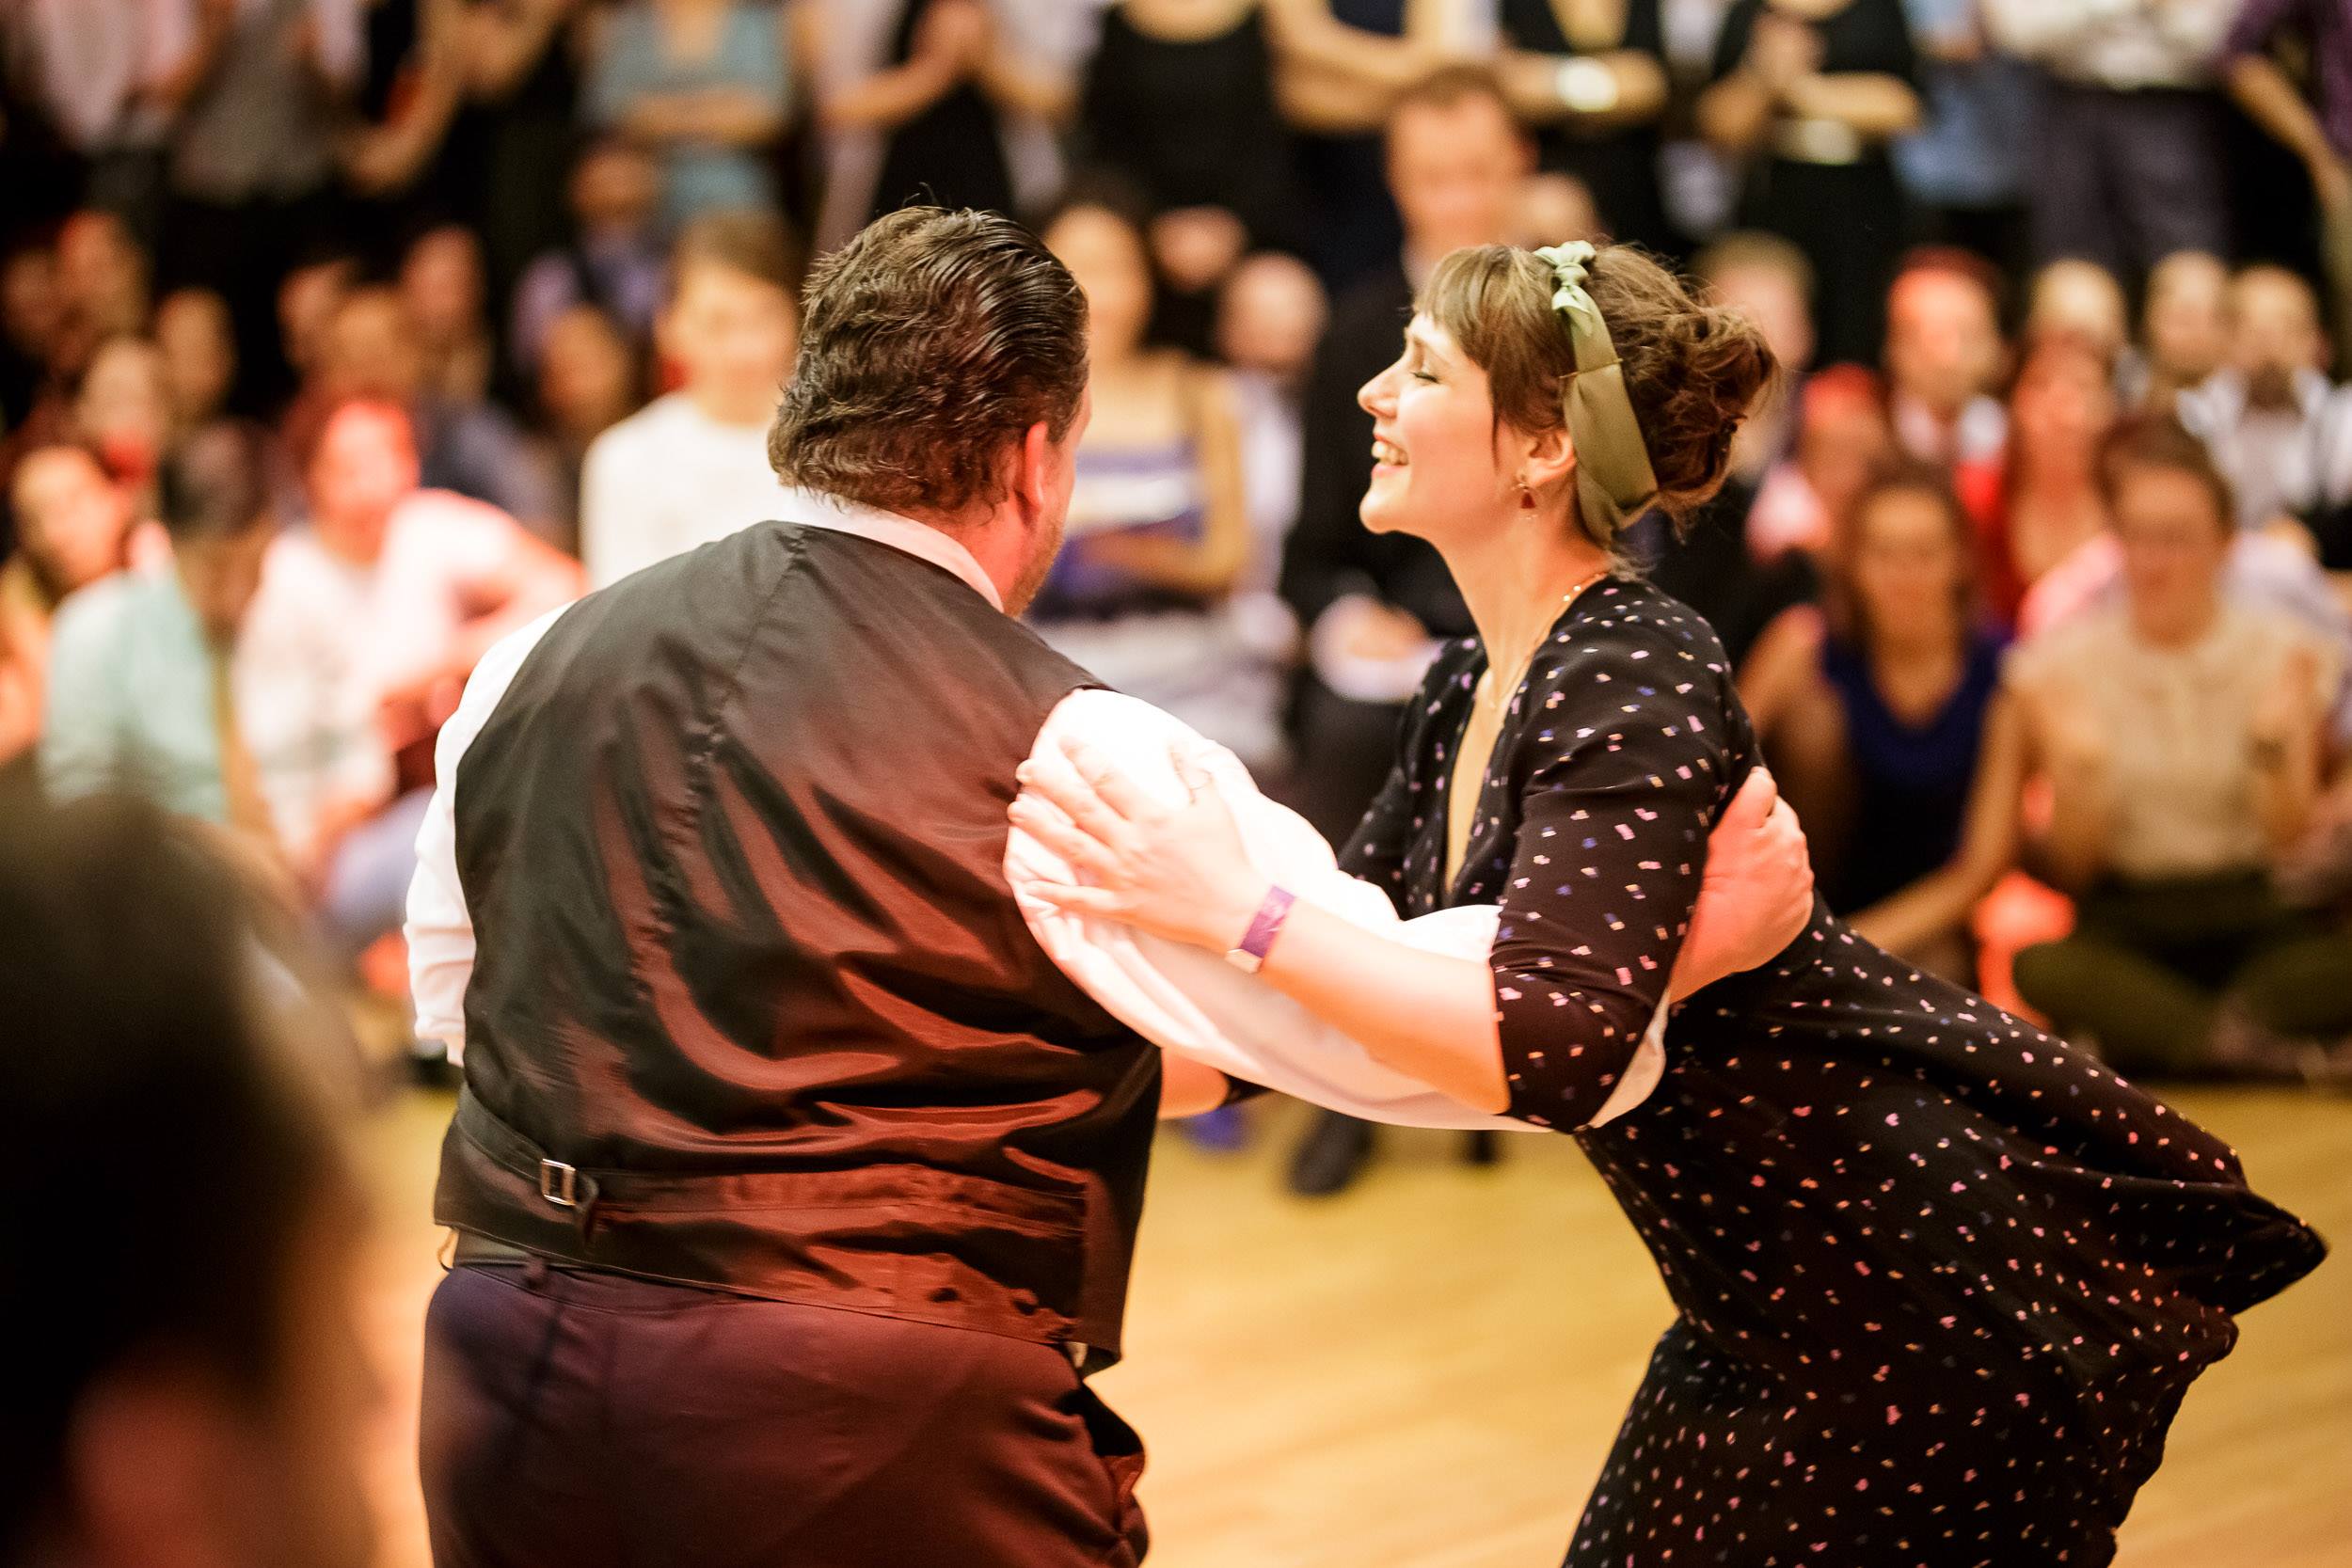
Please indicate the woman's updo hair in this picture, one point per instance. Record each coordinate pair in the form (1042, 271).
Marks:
(1691, 370)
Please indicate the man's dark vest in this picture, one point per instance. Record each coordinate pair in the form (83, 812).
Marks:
(752, 1006)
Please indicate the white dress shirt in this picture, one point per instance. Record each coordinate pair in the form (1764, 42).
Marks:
(1178, 998)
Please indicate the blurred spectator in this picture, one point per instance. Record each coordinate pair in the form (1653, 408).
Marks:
(1270, 318)
(99, 71)
(374, 348)
(147, 685)
(1812, 92)
(1159, 523)
(1338, 67)
(441, 283)
(1963, 168)
(32, 314)
(911, 101)
(2280, 431)
(1554, 209)
(260, 91)
(73, 529)
(1373, 605)
(693, 467)
(2317, 128)
(369, 620)
(2081, 299)
(2180, 734)
(393, 152)
(1041, 50)
(307, 299)
(591, 378)
(1179, 102)
(1592, 79)
(201, 1394)
(1711, 566)
(615, 260)
(1871, 711)
(703, 84)
(2184, 329)
(123, 414)
(2038, 511)
(1944, 358)
(516, 130)
(102, 286)
(1842, 437)
(2127, 164)
(199, 346)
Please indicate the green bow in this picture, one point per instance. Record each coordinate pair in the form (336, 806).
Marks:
(1615, 482)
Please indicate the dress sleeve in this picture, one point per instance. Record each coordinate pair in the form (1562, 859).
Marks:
(1621, 773)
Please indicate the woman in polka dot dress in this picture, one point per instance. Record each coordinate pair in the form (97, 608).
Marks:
(1941, 1281)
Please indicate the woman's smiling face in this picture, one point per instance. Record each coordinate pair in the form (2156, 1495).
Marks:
(1437, 449)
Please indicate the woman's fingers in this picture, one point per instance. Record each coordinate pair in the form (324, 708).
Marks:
(1056, 832)
(1101, 903)
(1110, 785)
(1056, 779)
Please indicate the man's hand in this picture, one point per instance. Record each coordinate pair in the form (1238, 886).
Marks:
(1758, 895)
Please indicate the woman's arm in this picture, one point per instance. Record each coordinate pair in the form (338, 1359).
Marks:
(2285, 738)
(1180, 873)
(1879, 106)
(1907, 920)
(506, 41)
(1337, 79)
(1633, 91)
(949, 46)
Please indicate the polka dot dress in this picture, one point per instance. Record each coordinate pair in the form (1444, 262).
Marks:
(1940, 1281)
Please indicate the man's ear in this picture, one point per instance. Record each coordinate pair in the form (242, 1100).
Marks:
(1032, 461)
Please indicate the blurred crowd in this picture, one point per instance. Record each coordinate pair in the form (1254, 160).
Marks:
(337, 338)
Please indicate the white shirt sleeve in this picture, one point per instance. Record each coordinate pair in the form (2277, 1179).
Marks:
(1192, 1002)
(439, 930)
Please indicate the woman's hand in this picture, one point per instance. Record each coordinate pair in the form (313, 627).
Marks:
(1757, 897)
(1179, 872)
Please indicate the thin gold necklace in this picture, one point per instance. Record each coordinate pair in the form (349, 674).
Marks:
(1495, 694)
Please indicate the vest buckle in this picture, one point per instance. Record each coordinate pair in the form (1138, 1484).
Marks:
(559, 1183)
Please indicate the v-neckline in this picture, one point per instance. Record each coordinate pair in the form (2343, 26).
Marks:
(1450, 877)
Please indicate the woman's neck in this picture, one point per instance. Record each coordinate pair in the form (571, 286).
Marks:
(1517, 579)
(2176, 625)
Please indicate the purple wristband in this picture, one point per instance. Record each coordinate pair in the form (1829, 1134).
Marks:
(1259, 939)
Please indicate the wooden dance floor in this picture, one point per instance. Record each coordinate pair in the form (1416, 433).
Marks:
(1427, 1373)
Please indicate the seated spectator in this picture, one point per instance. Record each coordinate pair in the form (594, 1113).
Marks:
(202, 1392)
(368, 618)
(374, 348)
(146, 679)
(2180, 737)
(122, 412)
(702, 85)
(2313, 118)
(1159, 523)
(2038, 511)
(1873, 709)
(1709, 566)
(1554, 209)
(1270, 318)
(591, 378)
(73, 529)
(1810, 94)
(2183, 329)
(692, 466)
(307, 299)
(200, 353)
(2083, 300)
(2280, 431)
(1842, 437)
(1592, 82)
(614, 263)
(31, 319)
(441, 283)
(103, 287)
(1944, 358)
(911, 104)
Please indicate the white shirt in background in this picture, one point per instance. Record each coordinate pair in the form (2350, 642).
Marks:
(2125, 45)
(665, 480)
